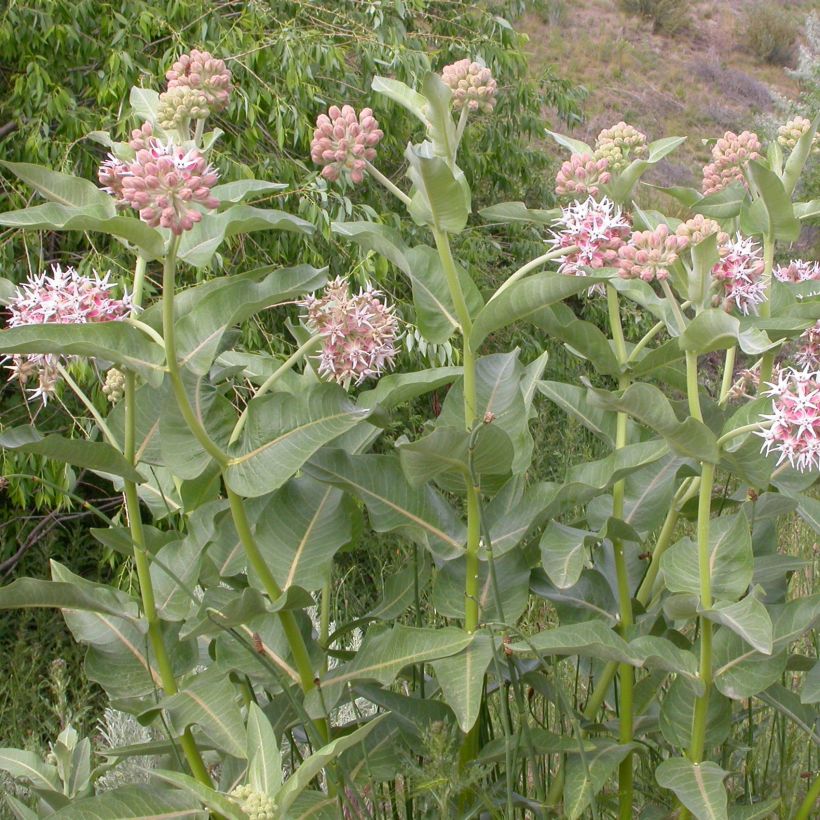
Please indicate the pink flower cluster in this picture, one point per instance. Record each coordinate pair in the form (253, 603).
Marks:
(650, 254)
(358, 331)
(472, 85)
(597, 230)
(729, 154)
(582, 175)
(808, 353)
(795, 417)
(343, 142)
(740, 271)
(163, 183)
(65, 297)
(798, 270)
(202, 72)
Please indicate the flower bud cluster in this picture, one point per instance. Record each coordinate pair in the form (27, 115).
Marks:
(808, 352)
(699, 227)
(64, 297)
(582, 175)
(740, 272)
(164, 182)
(257, 805)
(202, 72)
(729, 154)
(141, 137)
(596, 229)
(358, 332)
(114, 385)
(618, 144)
(343, 142)
(472, 85)
(798, 270)
(795, 417)
(650, 254)
(179, 105)
(789, 134)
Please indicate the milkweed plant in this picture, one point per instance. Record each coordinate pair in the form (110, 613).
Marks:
(661, 584)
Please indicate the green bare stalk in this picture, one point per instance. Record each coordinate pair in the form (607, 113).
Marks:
(767, 362)
(89, 405)
(141, 560)
(626, 673)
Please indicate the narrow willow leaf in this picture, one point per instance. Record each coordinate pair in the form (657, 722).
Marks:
(699, 786)
(264, 759)
(586, 775)
(115, 342)
(677, 708)
(748, 618)
(142, 802)
(283, 432)
(385, 651)
(94, 218)
(93, 455)
(64, 189)
(209, 701)
(461, 678)
(525, 299)
(392, 503)
(731, 560)
(199, 245)
(518, 212)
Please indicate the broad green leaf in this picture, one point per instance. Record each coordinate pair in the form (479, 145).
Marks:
(209, 701)
(19, 810)
(512, 574)
(242, 189)
(686, 196)
(142, 802)
(576, 146)
(312, 766)
(94, 218)
(116, 342)
(758, 811)
(699, 786)
(441, 196)
(400, 590)
(704, 257)
(300, 529)
(714, 329)
(590, 639)
(526, 299)
(144, 103)
(392, 503)
(648, 405)
(591, 597)
(385, 651)
(620, 188)
(572, 399)
(511, 514)
(518, 212)
(807, 210)
(811, 685)
(677, 708)
(92, 455)
(661, 653)
(439, 111)
(741, 672)
(724, 204)
(64, 189)
(283, 432)
(461, 678)
(769, 212)
(200, 328)
(398, 388)
(748, 618)
(219, 803)
(565, 552)
(264, 759)
(8, 290)
(28, 765)
(730, 560)
(199, 245)
(586, 775)
(402, 94)
(798, 158)
(790, 705)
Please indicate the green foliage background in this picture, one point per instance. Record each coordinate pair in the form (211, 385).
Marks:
(66, 67)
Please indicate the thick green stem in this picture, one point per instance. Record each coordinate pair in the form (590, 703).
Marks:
(808, 806)
(728, 375)
(268, 384)
(767, 362)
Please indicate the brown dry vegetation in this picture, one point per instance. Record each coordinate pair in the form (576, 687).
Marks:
(701, 82)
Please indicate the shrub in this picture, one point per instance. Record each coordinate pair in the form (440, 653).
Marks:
(667, 16)
(770, 34)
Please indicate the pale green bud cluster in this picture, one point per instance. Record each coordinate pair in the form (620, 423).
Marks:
(618, 144)
(257, 805)
(789, 134)
(114, 386)
(179, 105)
